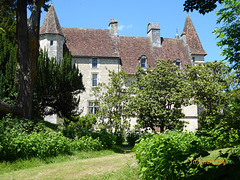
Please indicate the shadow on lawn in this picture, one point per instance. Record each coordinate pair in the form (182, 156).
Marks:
(123, 149)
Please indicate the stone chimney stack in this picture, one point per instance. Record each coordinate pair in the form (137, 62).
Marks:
(113, 28)
(153, 31)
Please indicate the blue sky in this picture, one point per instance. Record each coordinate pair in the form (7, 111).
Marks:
(133, 17)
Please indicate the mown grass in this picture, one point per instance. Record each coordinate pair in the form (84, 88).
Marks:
(21, 164)
(108, 166)
(128, 172)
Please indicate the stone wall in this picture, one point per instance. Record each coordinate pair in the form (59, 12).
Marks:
(85, 67)
(56, 48)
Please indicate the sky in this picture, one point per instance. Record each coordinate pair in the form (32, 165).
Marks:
(133, 17)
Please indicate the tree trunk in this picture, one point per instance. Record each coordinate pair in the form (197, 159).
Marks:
(28, 51)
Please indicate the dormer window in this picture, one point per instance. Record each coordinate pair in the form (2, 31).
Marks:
(143, 61)
(178, 63)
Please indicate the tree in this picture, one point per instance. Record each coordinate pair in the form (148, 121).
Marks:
(158, 96)
(113, 100)
(8, 85)
(203, 6)
(211, 85)
(27, 34)
(57, 87)
(228, 33)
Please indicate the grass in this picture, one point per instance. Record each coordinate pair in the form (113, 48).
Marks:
(103, 165)
(22, 164)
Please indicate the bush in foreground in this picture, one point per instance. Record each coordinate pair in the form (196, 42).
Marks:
(166, 155)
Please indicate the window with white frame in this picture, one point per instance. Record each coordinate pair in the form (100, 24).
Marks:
(94, 79)
(93, 107)
(94, 63)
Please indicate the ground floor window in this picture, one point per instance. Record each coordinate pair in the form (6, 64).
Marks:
(93, 107)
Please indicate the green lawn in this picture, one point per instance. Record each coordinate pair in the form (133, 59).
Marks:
(104, 164)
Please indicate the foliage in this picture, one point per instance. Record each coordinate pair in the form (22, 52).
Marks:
(87, 121)
(113, 98)
(210, 88)
(7, 20)
(220, 137)
(86, 144)
(223, 130)
(132, 137)
(42, 144)
(203, 6)
(57, 86)
(228, 33)
(21, 138)
(158, 96)
(167, 155)
(79, 126)
(107, 139)
(27, 33)
(8, 87)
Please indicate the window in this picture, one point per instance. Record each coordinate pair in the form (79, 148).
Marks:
(143, 61)
(94, 79)
(51, 43)
(94, 63)
(193, 59)
(93, 107)
(178, 62)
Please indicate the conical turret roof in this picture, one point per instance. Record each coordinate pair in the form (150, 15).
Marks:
(51, 23)
(192, 38)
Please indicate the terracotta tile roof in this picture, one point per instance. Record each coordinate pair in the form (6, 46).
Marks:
(131, 48)
(51, 23)
(192, 38)
(90, 42)
(173, 49)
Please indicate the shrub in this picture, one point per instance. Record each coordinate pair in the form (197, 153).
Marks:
(132, 137)
(119, 137)
(79, 127)
(43, 144)
(87, 144)
(221, 136)
(20, 138)
(166, 155)
(107, 139)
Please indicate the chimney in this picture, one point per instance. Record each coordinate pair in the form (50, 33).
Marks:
(183, 37)
(153, 31)
(113, 28)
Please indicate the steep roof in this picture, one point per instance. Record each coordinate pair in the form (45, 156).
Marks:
(90, 42)
(51, 23)
(173, 49)
(99, 43)
(192, 38)
(131, 48)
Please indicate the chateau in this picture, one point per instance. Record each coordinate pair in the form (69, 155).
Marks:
(96, 50)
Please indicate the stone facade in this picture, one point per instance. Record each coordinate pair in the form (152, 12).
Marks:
(86, 68)
(95, 51)
(53, 43)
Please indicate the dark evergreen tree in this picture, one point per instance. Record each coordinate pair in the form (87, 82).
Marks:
(8, 61)
(57, 87)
